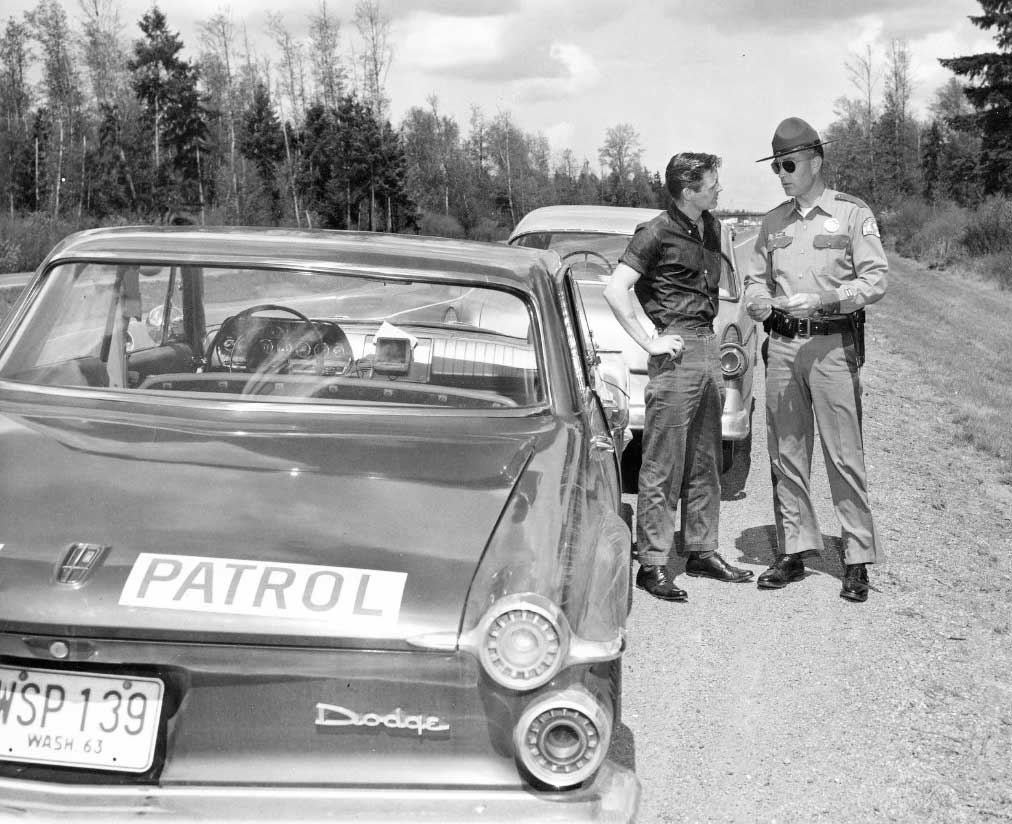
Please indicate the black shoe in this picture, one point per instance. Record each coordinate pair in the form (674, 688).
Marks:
(657, 581)
(785, 569)
(717, 568)
(855, 583)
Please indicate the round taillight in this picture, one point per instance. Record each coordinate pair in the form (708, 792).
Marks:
(563, 739)
(733, 360)
(522, 648)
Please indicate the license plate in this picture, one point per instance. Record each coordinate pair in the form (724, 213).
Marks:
(105, 722)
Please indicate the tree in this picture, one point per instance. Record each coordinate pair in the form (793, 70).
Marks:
(48, 22)
(263, 143)
(621, 154)
(377, 54)
(328, 71)
(15, 108)
(166, 86)
(896, 131)
(949, 154)
(849, 165)
(102, 46)
(292, 83)
(991, 96)
(217, 34)
(864, 78)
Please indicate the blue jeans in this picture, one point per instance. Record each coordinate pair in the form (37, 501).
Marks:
(681, 451)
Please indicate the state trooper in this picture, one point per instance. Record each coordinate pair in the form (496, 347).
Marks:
(817, 262)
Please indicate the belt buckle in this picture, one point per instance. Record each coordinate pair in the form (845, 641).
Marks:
(804, 327)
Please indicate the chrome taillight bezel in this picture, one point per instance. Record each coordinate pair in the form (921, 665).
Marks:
(733, 361)
(543, 623)
(578, 715)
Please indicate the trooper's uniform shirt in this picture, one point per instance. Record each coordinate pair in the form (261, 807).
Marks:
(833, 250)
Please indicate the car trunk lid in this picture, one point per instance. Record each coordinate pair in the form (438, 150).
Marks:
(247, 529)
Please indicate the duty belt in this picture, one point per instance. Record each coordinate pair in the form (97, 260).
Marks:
(792, 327)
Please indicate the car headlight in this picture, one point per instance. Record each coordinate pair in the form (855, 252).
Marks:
(524, 644)
(562, 738)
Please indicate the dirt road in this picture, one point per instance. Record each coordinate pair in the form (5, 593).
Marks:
(797, 706)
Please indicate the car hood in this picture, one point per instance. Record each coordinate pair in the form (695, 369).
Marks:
(247, 528)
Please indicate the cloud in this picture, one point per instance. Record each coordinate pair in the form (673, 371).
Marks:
(458, 46)
(814, 18)
(571, 71)
(453, 8)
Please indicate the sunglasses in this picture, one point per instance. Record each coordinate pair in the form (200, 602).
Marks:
(787, 165)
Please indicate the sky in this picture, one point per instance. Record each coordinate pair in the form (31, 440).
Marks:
(686, 75)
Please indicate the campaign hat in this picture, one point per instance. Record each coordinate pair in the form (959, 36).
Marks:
(793, 135)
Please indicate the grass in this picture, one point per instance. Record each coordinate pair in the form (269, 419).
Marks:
(958, 327)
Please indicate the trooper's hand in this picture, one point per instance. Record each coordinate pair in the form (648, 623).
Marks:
(803, 304)
(665, 345)
(759, 310)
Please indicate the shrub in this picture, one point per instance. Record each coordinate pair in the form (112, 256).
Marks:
(433, 223)
(25, 241)
(937, 240)
(997, 267)
(990, 230)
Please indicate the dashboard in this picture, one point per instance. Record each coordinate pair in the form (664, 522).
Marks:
(249, 343)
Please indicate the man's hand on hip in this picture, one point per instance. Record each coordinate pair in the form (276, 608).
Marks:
(665, 345)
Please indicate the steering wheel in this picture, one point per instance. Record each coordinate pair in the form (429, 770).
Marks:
(236, 320)
(587, 255)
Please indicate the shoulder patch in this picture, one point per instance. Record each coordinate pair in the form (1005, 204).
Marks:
(850, 199)
(870, 227)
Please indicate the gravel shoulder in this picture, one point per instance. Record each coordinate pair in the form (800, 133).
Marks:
(797, 706)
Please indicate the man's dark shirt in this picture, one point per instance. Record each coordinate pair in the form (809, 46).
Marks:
(679, 271)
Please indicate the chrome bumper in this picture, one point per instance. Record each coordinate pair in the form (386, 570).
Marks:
(735, 421)
(612, 797)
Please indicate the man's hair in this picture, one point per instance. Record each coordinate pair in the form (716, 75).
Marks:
(686, 171)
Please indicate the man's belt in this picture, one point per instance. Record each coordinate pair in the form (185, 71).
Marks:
(791, 327)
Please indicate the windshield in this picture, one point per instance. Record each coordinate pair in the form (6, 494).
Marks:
(593, 255)
(278, 335)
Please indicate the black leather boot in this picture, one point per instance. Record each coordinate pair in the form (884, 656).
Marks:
(657, 581)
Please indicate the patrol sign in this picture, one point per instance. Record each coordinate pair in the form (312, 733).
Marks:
(353, 600)
(870, 227)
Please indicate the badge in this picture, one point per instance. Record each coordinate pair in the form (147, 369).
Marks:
(870, 227)
(831, 225)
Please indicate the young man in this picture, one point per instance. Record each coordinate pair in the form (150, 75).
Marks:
(673, 266)
(817, 262)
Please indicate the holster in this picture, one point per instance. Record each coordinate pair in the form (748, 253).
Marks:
(857, 330)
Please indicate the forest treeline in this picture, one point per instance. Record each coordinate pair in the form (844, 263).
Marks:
(123, 129)
(105, 122)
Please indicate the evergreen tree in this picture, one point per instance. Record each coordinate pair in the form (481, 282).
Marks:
(262, 142)
(991, 96)
(166, 85)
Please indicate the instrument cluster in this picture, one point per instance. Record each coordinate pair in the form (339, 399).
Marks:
(318, 347)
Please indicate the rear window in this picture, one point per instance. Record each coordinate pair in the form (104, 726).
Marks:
(277, 335)
(608, 246)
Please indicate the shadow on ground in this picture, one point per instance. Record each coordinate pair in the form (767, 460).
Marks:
(623, 747)
(758, 545)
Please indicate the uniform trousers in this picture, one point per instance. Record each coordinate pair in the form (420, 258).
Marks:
(681, 451)
(810, 381)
